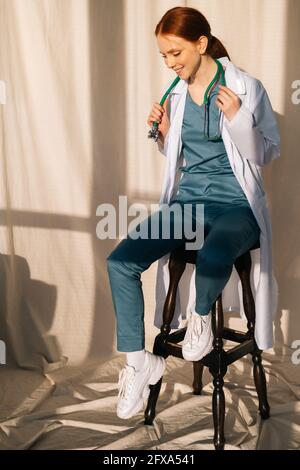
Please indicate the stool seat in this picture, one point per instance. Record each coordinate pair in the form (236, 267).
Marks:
(167, 344)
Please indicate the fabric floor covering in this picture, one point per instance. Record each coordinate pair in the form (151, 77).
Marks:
(75, 408)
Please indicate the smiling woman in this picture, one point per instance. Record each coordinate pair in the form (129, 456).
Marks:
(222, 172)
(192, 56)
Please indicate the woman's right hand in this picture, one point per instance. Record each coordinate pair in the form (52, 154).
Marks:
(159, 113)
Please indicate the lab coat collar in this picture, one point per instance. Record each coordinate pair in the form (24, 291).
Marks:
(234, 79)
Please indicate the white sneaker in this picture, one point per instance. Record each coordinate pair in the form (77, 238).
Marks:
(134, 385)
(198, 339)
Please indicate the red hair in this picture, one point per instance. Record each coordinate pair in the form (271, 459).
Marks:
(189, 24)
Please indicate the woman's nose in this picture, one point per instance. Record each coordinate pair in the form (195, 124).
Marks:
(171, 64)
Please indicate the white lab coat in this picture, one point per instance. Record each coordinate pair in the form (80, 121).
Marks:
(251, 140)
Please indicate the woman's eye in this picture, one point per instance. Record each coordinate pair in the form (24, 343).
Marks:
(173, 54)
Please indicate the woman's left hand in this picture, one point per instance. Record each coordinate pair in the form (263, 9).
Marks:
(228, 102)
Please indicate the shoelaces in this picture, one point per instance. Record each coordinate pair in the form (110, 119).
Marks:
(126, 379)
(195, 328)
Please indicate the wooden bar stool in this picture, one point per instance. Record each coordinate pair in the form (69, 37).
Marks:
(218, 359)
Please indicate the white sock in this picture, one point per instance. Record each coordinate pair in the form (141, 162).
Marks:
(202, 314)
(204, 317)
(136, 359)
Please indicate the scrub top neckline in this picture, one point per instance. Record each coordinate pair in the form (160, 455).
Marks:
(197, 106)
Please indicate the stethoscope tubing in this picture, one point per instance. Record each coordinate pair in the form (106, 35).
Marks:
(153, 133)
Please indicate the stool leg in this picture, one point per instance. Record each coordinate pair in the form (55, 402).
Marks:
(198, 372)
(150, 410)
(243, 267)
(260, 384)
(218, 369)
(176, 266)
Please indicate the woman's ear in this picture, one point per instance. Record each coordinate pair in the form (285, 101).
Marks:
(202, 44)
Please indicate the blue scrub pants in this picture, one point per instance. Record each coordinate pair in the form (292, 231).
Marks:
(229, 231)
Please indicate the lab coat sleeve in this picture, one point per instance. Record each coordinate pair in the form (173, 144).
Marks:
(162, 146)
(255, 134)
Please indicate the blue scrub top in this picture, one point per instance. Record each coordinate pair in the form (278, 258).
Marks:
(207, 176)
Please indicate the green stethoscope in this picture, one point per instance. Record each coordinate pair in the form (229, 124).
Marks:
(219, 77)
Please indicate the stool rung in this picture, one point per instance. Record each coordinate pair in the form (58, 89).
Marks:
(228, 333)
(239, 351)
(177, 336)
(234, 335)
(173, 349)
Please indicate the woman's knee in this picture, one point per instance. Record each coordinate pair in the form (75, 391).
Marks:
(115, 261)
(123, 262)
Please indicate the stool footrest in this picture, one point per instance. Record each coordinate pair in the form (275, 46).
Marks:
(170, 347)
(234, 335)
(174, 349)
(228, 333)
(177, 336)
(239, 351)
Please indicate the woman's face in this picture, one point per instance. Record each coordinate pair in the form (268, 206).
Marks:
(184, 57)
